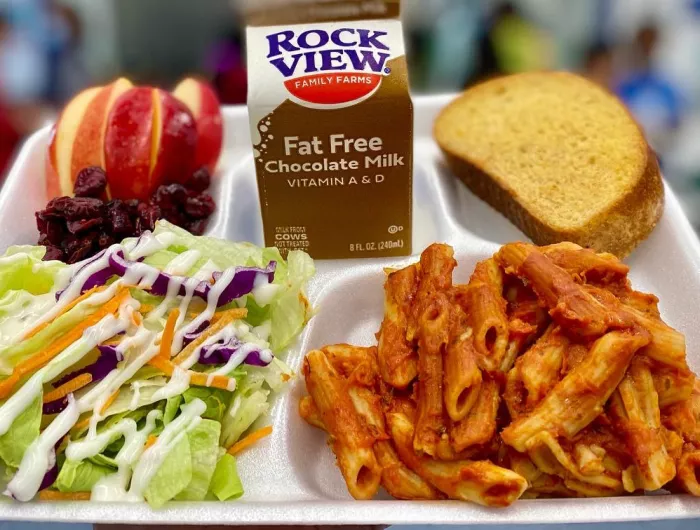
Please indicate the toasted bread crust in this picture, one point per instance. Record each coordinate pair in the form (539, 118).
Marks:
(617, 230)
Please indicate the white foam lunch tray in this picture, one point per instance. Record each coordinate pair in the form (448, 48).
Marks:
(291, 477)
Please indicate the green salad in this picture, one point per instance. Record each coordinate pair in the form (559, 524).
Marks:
(138, 374)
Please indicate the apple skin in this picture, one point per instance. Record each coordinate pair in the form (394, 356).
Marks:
(76, 140)
(128, 145)
(176, 139)
(206, 109)
(59, 180)
(88, 148)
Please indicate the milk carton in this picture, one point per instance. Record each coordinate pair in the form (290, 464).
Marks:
(332, 129)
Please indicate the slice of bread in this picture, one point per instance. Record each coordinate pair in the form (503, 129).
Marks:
(559, 156)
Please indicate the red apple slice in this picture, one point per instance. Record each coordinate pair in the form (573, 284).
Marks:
(206, 109)
(128, 145)
(175, 139)
(88, 148)
(61, 144)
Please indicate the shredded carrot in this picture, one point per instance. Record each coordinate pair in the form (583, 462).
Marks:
(64, 443)
(166, 342)
(43, 357)
(136, 318)
(152, 438)
(196, 378)
(285, 377)
(68, 387)
(146, 308)
(219, 322)
(250, 440)
(51, 495)
(109, 401)
(81, 424)
(87, 294)
(86, 421)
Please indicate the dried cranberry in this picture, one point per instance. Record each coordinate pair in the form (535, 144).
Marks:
(199, 181)
(197, 227)
(53, 253)
(83, 225)
(56, 207)
(70, 243)
(90, 182)
(118, 217)
(104, 240)
(83, 208)
(40, 222)
(176, 217)
(54, 231)
(200, 207)
(169, 196)
(133, 206)
(149, 217)
(43, 240)
(81, 251)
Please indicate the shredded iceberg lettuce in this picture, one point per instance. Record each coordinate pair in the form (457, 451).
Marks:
(108, 424)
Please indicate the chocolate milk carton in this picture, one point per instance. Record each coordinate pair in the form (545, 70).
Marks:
(332, 129)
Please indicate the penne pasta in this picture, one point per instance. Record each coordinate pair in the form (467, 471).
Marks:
(540, 484)
(570, 305)
(350, 439)
(309, 413)
(579, 397)
(435, 276)
(397, 479)
(357, 364)
(673, 385)
(432, 339)
(598, 399)
(487, 318)
(462, 376)
(634, 409)
(540, 367)
(479, 427)
(585, 264)
(667, 345)
(396, 355)
(481, 482)
(486, 311)
(688, 477)
(645, 303)
(550, 457)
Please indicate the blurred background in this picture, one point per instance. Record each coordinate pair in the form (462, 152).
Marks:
(646, 51)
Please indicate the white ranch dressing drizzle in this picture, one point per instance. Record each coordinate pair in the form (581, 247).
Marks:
(178, 383)
(25, 309)
(105, 329)
(153, 457)
(170, 296)
(178, 339)
(263, 291)
(182, 263)
(237, 358)
(212, 303)
(147, 244)
(39, 456)
(206, 271)
(113, 487)
(98, 401)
